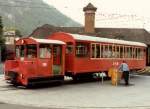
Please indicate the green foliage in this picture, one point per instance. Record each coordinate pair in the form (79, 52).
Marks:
(18, 33)
(2, 40)
(1, 26)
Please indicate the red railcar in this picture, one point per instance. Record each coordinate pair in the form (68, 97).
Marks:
(64, 54)
(37, 60)
(86, 55)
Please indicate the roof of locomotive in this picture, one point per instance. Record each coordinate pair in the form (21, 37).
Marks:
(44, 41)
(47, 41)
(107, 40)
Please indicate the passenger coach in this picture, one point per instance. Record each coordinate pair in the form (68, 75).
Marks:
(86, 55)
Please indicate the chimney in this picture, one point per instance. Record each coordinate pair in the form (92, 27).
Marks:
(89, 18)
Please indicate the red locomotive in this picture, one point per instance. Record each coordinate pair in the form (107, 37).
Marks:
(37, 60)
(65, 54)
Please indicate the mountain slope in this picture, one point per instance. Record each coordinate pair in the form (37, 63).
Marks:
(27, 15)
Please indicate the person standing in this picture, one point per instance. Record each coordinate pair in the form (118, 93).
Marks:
(124, 68)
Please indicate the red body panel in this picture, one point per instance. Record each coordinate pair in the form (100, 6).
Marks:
(98, 65)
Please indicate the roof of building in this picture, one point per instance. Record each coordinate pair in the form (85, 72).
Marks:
(89, 7)
(129, 34)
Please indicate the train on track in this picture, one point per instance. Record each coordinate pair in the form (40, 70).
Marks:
(64, 54)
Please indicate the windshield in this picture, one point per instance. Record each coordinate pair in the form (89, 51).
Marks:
(45, 51)
(30, 49)
(20, 51)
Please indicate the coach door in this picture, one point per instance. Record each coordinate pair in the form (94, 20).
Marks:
(69, 57)
(57, 59)
(45, 60)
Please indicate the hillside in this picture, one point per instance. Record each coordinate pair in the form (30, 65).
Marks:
(30, 14)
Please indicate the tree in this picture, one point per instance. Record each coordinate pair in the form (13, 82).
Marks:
(2, 40)
(1, 26)
(18, 33)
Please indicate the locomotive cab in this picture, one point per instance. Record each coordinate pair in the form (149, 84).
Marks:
(36, 61)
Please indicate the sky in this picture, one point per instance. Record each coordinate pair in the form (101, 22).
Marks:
(110, 13)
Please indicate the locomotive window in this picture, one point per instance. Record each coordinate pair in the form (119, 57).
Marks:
(20, 51)
(45, 51)
(81, 50)
(17, 52)
(31, 51)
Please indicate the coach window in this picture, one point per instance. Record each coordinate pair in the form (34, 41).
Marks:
(129, 52)
(69, 48)
(45, 51)
(133, 52)
(136, 53)
(139, 53)
(125, 52)
(97, 51)
(104, 51)
(117, 52)
(110, 51)
(81, 49)
(93, 50)
(121, 51)
(142, 53)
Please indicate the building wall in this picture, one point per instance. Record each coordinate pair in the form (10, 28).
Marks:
(90, 22)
